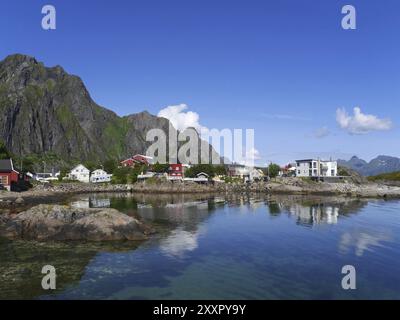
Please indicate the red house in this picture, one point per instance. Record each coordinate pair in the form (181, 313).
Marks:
(128, 163)
(175, 171)
(7, 174)
(137, 159)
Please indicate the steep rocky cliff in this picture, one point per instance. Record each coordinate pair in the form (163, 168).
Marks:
(46, 110)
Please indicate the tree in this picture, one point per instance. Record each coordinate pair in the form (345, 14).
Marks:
(160, 168)
(135, 171)
(4, 154)
(220, 170)
(109, 166)
(120, 176)
(27, 163)
(193, 171)
(90, 165)
(63, 173)
(273, 170)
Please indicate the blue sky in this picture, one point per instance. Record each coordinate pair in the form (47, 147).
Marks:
(282, 67)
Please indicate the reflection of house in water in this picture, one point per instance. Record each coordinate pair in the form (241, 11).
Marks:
(200, 205)
(315, 214)
(100, 202)
(81, 203)
(91, 202)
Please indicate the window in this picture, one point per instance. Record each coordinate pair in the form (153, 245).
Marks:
(298, 171)
(4, 180)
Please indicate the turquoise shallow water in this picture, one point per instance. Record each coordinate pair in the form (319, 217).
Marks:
(208, 247)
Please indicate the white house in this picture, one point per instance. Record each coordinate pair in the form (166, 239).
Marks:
(249, 174)
(80, 173)
(145, 176)
(201, 177)
(100, 175)
(316, 168)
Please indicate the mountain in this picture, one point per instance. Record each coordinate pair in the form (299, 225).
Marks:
(379, 165)
(48, 111)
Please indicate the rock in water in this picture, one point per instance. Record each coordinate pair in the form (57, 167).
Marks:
(19, 201)
(56, 222)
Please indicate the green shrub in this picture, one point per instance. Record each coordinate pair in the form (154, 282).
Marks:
(392, 176)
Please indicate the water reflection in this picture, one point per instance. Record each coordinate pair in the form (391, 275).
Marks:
(363, 240)
(308, 210)
(181, 241)
(207, 246)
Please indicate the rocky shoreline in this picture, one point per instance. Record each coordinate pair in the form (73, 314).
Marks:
(295, 186)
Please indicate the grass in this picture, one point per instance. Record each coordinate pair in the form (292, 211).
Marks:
(392, 176)
(115, 133)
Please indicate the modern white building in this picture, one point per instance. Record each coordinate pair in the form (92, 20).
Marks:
(316, 168)
(79, 173)
(100, 175)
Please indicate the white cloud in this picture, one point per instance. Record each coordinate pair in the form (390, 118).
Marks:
(180, 242)
(250, 156)
(182, 119)
(253, 154)
(361, 123)
(321, 133)
(362, 241)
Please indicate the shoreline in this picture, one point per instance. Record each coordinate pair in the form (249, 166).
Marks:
(58, 192)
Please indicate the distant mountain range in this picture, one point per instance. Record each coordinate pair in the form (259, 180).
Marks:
(46, 110)
(379, 165)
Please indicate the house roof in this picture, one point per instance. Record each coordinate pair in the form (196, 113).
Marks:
(99, 171)
(320, 160)
(80, 166)
(6, 165)
(142, 156)
(202, 174)
(305, 160)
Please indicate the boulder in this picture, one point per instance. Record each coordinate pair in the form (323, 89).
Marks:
(19, 201)
(56, 222)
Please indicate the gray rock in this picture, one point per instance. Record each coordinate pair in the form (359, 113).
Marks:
(55, 222)
(20, 201)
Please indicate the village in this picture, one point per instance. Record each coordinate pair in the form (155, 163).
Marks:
(146, 170)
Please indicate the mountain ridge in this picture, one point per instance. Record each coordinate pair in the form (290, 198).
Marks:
(47, 110)
(380, 164)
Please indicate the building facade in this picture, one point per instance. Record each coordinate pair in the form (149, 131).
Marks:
(316, 168)
(8, 175)
(99, 176)
(175, 172)
(247, 174)
(80, 173)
